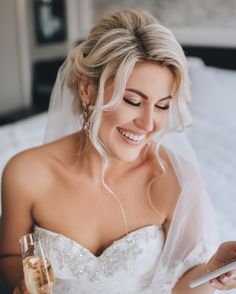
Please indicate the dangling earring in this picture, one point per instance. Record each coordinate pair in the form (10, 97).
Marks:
(85, 118)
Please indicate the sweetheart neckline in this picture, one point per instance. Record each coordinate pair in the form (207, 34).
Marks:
(122, 239)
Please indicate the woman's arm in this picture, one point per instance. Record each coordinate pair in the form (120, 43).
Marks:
(11, 270)
(182, 285)
(17, 201)
(225, 254)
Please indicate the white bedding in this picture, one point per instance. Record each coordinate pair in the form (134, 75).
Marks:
(214, 140)
(19, 136)
(213, 137)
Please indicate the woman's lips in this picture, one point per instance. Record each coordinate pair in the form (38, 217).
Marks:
(130, 136)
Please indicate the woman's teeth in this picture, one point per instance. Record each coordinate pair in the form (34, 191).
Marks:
(131, 136)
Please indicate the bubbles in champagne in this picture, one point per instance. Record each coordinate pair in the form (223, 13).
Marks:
(39, 276)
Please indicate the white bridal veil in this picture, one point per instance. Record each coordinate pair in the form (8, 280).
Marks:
(192, 235)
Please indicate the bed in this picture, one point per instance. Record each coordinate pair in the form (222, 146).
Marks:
(212, 135)
(213, 138)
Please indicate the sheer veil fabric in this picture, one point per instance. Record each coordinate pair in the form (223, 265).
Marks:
(61, 120)
(192, 236)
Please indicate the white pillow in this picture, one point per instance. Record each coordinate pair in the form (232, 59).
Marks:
(19, 136)
(214, 91)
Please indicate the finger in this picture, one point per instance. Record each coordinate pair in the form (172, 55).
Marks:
(229, 282)
(217, 284)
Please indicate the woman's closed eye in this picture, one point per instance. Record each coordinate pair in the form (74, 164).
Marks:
(135, 103)
(131, 102)
(163, 107)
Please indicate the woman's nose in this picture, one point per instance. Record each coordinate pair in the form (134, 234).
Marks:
(145, 120)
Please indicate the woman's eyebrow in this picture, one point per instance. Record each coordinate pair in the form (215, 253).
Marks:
(144, 96)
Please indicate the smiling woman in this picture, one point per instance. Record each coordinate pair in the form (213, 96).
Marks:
(126, 130)
(115, 189)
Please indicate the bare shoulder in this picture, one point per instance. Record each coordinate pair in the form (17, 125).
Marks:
(23, 173)
(29, 163)
(22, 183)
(33, 168)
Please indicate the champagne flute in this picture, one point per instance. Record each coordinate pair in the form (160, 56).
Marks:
(38, 272)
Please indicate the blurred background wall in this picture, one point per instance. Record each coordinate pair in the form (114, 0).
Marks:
(211, 13)
(35, 36)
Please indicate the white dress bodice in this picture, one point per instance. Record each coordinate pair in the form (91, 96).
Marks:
(145, 260)
(126, 266)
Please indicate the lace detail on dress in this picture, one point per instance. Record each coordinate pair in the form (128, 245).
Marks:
(132, 264)
(127, 264)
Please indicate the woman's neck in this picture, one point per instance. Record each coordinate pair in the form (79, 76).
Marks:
(91, 162)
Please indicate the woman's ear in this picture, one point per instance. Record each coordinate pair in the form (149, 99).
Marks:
(86, 90)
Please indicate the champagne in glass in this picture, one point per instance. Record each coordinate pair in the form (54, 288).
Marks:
(38, 272)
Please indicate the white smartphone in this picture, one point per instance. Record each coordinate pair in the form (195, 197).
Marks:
(214, 274)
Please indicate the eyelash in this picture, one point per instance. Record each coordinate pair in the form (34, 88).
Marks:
(166, 107)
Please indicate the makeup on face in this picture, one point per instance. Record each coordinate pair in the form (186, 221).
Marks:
(136, 100)
(143, 111)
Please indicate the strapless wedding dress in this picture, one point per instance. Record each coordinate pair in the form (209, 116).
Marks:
(126, 266)
(144, 261)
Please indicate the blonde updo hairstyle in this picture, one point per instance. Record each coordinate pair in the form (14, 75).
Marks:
(113, 47)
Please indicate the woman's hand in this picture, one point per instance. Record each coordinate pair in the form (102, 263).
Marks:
(226, 253)
(21, 289)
